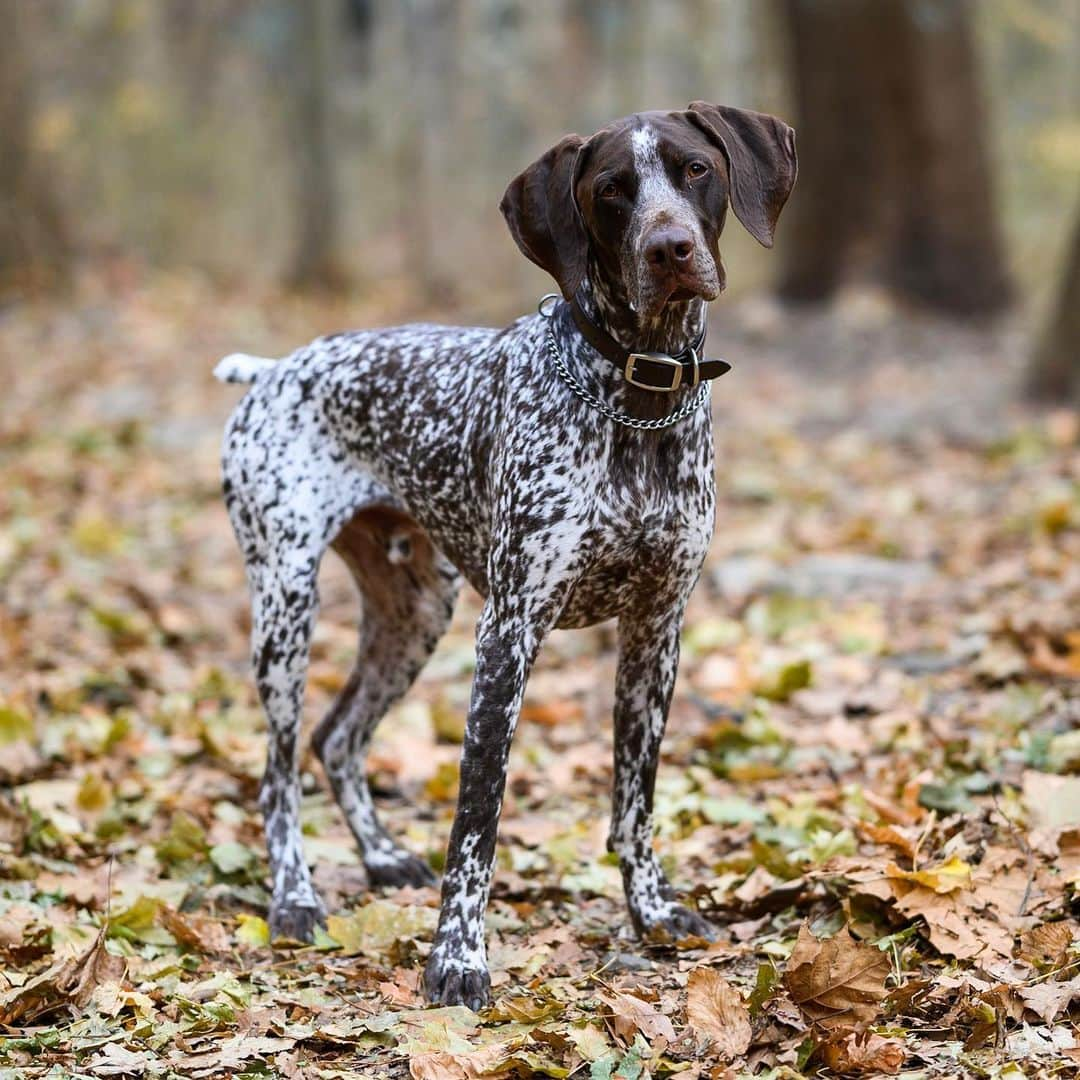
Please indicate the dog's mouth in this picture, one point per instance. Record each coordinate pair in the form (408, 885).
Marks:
(681, 293)
(682, 289)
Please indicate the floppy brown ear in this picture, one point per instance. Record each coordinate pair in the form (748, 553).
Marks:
(760, 152)
(540, 208)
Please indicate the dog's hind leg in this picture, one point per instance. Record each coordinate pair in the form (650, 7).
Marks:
(287, 495)
(408, 589)
(284, 606)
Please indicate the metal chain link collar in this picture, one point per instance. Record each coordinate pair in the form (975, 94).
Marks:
(602, 407)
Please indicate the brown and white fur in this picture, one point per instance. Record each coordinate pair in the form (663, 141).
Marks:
(427, 454)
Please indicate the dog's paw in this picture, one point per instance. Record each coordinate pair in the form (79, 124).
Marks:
(405, 869)
(295, 922)
(680, 922)
(449, 982)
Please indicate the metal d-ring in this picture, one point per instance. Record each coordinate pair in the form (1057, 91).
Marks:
(554, 298)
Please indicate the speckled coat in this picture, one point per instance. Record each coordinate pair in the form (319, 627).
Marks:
(424, 454)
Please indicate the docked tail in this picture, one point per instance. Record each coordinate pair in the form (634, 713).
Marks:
(240, 368)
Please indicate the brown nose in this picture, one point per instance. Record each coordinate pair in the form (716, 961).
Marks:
(669, 248)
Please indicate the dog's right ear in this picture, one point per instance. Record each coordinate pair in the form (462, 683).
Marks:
(544, 219)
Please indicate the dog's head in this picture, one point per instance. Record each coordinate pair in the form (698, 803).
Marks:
(642, 202)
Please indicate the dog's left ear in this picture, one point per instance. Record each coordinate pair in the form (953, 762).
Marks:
(760, 152)
(540, 208)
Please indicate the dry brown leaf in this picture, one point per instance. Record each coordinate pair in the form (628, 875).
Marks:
(892, 813)
(14, 825)
(68, 982)
(1047, 943)
(1053, 802)
(550, 713)
(630, 1014)
(871, 1055)
(1048, 1000)
(890, 835)
(715, 1011)
(229, 1054)
(197, 932)
(443, 1065)
(1044, 657)
(980, 921)
(403, 990)
(115, 1060)
(838, 981)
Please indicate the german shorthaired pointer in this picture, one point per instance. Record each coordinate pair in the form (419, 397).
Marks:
(563, 466)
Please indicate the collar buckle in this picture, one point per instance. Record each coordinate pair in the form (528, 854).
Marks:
(675, 366)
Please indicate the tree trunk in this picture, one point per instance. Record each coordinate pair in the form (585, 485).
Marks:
(315, 263)
(34, 251)
(1055, 367)
(894, 173)
(428, 117)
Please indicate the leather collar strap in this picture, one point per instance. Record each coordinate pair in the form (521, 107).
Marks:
(655, 371)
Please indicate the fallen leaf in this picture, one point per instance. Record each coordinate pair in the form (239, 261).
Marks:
(252, 931)
(68, 982)
(870, 1055)
(889, 835)
(716, 1013)
(15, 724)
(197, 932)
(1053, 802)
(116, 1060)
(629, 1015)
(228, 1054)
(373, 928)
(487, 1062)
(1048, 1000)
(1047, 943)
(946, 878)
(550, 713)
(838, 981)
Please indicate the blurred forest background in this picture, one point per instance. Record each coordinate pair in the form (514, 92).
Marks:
(353, 144)
(877, 719)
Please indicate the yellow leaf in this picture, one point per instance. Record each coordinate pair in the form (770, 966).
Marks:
(16, 724)
(373, 928)
(443, 786)
(946, 878)
(96, 535)
(252, 931)
(94, 794)
(448, 722)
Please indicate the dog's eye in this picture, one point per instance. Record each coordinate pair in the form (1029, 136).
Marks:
(696, 170)
(610, 190)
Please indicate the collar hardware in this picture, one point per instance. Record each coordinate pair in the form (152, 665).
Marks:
(656, 371)
(654, 360)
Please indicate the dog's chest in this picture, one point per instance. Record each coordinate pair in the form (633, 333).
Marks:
(652, 519)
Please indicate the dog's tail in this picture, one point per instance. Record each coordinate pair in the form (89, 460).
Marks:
(240, 368)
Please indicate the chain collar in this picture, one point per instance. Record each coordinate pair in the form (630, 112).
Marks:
(602, 407)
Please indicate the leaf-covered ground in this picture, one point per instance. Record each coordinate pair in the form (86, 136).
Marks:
(869, 782)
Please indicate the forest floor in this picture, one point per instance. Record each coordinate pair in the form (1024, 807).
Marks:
(871, 780)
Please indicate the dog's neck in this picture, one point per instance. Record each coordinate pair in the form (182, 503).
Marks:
(605, 301)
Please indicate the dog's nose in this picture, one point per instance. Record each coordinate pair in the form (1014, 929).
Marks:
(670, 248)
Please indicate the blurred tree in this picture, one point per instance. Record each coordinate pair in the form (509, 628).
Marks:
(315, 261)
(428, 123)
(1055, 368)
(34, 246)
(894, 173)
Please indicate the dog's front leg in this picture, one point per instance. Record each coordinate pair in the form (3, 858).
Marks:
(506, 644)
(648, 661)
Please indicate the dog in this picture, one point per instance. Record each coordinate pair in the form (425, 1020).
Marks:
(563, 466)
